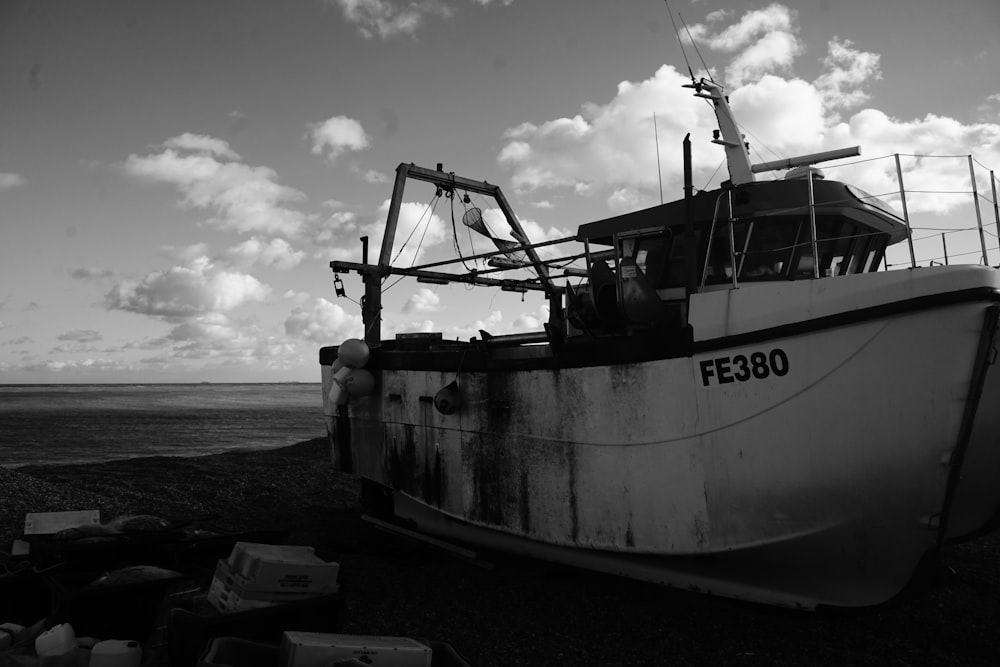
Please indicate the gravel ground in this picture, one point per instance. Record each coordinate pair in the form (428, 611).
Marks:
(521, 612)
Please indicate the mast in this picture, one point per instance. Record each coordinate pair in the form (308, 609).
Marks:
(737, 157)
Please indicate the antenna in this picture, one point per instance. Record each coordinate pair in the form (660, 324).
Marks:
(696, 50)
(679, 40)
(659, 176)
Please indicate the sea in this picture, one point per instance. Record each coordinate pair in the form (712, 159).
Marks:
(45, 424)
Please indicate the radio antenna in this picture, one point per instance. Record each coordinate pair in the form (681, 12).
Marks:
(696, 50)
(677, 33)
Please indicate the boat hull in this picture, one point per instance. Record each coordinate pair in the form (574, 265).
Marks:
(800, 469)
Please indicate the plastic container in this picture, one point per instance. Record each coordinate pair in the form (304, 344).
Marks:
(267, 567)
(59, 640)
(116, 653)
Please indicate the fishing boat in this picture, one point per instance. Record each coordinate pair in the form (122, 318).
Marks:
(731, 395)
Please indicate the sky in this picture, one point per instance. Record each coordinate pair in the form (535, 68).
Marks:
(175, 177)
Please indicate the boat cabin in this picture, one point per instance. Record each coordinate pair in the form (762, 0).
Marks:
(642, 265)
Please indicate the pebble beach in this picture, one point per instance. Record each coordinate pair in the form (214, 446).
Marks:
(505, 611)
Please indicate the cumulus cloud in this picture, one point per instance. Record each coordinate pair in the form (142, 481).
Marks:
(276, 253)
(201, 143)
(417, 230)
(184, 291)
(532, 321)
(931, 135)
(610, 146)
(606, 149)
(847, 70)
(422, 301)
(209, 176)
(764, 41)
(334, 136)
(209, 336)
(325, 323)
(9, 180)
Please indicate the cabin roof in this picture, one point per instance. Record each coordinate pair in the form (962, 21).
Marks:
(754, 200)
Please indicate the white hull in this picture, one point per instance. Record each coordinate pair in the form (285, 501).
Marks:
(797, 466)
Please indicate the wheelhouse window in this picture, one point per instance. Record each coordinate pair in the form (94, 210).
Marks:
(780, 248)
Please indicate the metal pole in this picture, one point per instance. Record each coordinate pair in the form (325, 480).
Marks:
(812, 225)
(906, 214)
(979, 215)
(732, 239)
(944, 244)
(656, 139)
(996, 208)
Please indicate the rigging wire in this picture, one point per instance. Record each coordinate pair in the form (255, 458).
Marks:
(433, 203)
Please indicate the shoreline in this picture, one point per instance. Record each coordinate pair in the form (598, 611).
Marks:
(519, 612)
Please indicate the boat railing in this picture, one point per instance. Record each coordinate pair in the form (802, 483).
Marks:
(945, 201)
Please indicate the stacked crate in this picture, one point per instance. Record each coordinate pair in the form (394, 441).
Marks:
(260, 575)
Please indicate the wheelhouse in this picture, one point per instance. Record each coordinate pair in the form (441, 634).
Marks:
(642, 266)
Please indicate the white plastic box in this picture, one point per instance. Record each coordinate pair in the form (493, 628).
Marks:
(276, 568)
(315, 649)
(229, 599)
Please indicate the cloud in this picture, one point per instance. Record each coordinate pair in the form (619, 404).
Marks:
(276, 253)
(606, 147)
(764, 39)
(185, 253)
(9, 180)
(493, 324)
(324, 324)
(86, 366)
(296, 297)
(185, 291)
(881, 134)
(209, 336)
(417, 230)
(847, 70)
(385, 18)
(370, 175)
(73, 348)
(532, 321)
(605, 150)
(20, 340)
(422, 301)
(334, 136)
(92, 273)
(201, 143)
(246, 199)
(81, 336)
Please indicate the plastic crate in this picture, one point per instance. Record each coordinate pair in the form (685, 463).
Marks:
(229, 599)
(277, 568)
